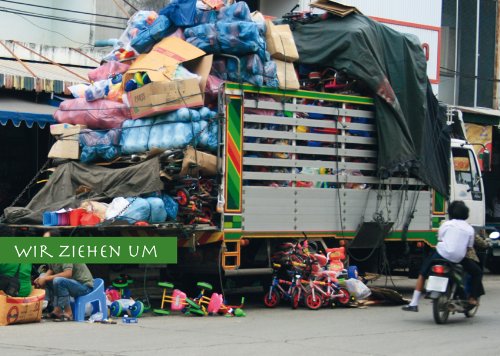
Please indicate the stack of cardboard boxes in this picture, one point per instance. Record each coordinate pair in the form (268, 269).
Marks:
(281, 46)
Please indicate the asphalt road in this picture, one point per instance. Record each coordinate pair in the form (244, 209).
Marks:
(374, 330)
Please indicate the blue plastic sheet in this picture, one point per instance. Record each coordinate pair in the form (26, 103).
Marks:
(171, 206)
(180, 12)
(138, 210)
(158, 212)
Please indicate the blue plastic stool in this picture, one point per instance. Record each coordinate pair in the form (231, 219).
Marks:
(96, 297)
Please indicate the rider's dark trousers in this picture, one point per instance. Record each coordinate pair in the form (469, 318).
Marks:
(473, 268)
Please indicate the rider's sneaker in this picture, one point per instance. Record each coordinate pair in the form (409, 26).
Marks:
(411, 308)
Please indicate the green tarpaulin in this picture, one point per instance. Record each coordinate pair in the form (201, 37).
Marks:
(411, 127)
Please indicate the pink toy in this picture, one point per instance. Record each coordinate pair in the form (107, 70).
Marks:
(215, 304)
(178, 300)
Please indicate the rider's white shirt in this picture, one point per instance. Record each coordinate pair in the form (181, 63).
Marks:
(454, 237)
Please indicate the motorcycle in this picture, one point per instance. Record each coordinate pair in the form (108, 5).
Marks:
(447, 287)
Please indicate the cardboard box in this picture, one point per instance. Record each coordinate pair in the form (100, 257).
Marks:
(198, 163)
(23, 309)
(164, 94)
(160, 97)
(68, 141)
(287, 77)
(335, 8)
(67, 131)
(280, 42)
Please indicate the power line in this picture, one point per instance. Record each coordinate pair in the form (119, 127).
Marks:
(129, 4)
(46, 29)
(56, 18)
(68, 10)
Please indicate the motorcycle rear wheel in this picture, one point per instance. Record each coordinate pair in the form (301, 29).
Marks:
(440, 306)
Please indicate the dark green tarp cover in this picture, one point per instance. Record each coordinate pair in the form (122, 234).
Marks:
(411, 127)
(105, 184)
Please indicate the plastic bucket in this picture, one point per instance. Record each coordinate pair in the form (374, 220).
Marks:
(75, 216)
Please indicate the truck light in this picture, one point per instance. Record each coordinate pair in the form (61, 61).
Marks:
(420, 244)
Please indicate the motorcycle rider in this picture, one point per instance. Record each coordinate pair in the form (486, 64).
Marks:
(455, 236)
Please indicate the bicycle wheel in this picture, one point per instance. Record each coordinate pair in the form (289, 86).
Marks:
(313, 302)
(345, 298)
(182, 197)
(272, 299)
(295, 298)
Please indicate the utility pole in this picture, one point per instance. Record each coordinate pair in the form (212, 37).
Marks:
(496, 85)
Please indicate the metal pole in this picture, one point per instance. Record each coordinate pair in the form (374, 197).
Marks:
(476, 69)
(456, 77)
(496, 91)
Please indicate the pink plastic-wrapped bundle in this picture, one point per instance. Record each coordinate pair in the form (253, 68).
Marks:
(107, 70)
(98, 114)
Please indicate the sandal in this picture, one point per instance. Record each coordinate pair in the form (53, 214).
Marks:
(51, 316)
(63, 317)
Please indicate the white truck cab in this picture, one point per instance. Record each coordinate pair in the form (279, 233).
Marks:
(466, 182)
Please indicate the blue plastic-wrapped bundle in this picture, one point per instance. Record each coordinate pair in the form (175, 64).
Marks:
(238, 38)
(270, 74)
(251, 70)
(171, 206)
(138, 210)
(204, 37)
(149, 36)
(180, 12)
(237, 12)
(205, 16)
(135, 135)
(165, 135)
(99, 145)
(208, 135)
(158, 212)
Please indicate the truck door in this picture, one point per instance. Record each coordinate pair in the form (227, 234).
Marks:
(467, 184)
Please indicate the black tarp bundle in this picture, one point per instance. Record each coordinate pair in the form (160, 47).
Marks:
(104, 183)
(411, 127)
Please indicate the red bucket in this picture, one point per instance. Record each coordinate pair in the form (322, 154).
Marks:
(75, 216)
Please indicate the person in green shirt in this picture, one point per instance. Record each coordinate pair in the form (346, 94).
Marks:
(10, 269)
(63, 281)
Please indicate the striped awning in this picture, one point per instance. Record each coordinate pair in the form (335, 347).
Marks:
(50, 78)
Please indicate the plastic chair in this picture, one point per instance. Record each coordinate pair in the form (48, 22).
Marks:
(96, 297)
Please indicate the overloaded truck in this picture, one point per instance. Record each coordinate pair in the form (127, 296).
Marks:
(364, 159)
(309, 172)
